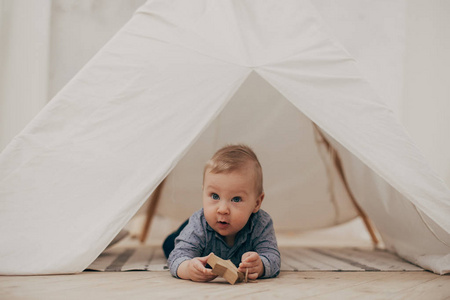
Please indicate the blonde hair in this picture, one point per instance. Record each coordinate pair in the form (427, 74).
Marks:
(233, 157)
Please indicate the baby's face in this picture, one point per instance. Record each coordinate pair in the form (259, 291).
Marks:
(229, 199)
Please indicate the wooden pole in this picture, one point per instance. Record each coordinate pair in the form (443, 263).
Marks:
(362, 214)
(151, 210)
(338, 163)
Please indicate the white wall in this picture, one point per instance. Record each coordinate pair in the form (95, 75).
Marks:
(426, 100)
(24, 61)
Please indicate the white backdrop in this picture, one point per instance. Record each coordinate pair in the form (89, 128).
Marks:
(401, 47)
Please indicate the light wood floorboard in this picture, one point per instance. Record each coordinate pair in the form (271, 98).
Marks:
(289, 285)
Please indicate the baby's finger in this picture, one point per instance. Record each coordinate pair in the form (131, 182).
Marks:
(202, 277)
(252, 276)
(253, 256)
(245, 265)
(207, 275)
(252, 269)
(210, 277)
(249, 264)
(204, 259)
(245, 255)
(199, 267)
(208, 272)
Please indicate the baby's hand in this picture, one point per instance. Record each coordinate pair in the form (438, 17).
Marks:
(252, 262)
(197, 271)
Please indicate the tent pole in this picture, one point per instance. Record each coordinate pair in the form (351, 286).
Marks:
(154, 200)
(338, 163)
(362, 214)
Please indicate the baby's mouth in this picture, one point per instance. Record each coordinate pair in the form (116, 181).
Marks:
(222, 224)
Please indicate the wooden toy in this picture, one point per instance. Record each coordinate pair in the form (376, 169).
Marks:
(225, 269)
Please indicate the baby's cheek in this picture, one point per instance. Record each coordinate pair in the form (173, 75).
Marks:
(208, 217)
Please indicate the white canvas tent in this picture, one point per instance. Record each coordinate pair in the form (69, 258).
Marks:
(180, 80)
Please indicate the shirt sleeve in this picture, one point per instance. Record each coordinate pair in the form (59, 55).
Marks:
(188, 244)
(265, 244)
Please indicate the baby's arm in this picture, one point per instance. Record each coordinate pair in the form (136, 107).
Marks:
(266, 260)
(194, 269)
(185, 260)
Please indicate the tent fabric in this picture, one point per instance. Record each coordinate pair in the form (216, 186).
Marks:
(176, 82)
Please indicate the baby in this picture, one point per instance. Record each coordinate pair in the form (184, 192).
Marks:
(231, 223)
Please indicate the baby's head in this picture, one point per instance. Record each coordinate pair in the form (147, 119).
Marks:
(232, 189)
(234, 158)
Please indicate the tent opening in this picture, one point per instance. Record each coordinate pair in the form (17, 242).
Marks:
(305, 189)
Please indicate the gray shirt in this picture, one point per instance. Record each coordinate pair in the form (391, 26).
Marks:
(198, 239)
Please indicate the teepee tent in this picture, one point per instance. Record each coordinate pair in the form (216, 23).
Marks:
(178, 81)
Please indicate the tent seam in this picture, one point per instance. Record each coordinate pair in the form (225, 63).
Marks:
(190, 49)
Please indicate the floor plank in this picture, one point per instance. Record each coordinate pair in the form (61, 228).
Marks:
(289, 285)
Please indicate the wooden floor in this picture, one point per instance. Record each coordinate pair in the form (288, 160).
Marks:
(288, 285)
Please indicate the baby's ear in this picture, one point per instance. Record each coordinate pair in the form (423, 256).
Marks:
(259, 201)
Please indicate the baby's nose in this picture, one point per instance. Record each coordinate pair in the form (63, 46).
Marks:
(223, 208)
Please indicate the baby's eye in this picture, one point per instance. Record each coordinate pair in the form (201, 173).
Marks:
(215, 196)
(236, 199)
